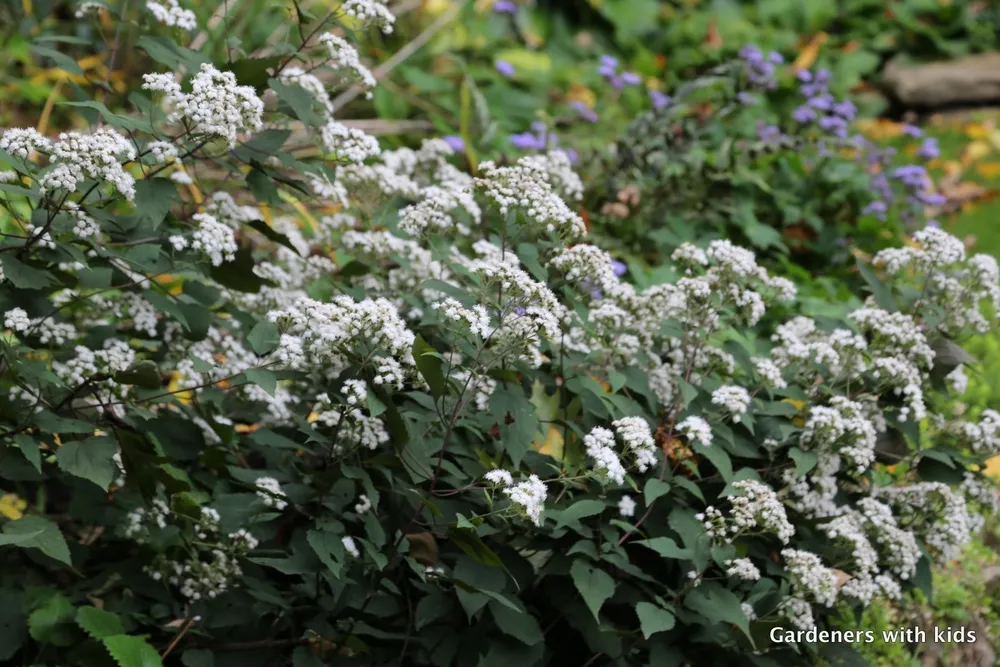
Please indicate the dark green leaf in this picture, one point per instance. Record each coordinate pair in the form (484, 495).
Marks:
(429, 365)
(144, 373)
(593, 584)
(99, 623)
(91, 459)
(653, 619)
(264, 337)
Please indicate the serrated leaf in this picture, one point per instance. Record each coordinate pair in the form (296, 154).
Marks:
(99, 623)
(91, 459)
(154, 197)
(804, 461)
(518, 624)
(43, 535)
(579, 510)
(132, 651)
(717, 604)
(263, 378)
(22, 275)
(298, 99)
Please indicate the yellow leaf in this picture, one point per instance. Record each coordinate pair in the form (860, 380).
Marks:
(580, 93)
(988, 169)
(993, 468)
(975, 151)
(807, 57)
(553, 445)
(977, 131)
(246, 428)
(175, 385)
(12, 506)
(313, 417)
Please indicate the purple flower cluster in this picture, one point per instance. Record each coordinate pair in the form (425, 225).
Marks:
(585, 112)
(609, 70)
(913, 178)
(760, 69)
(821, 107)
(659, 100)
(540, 139)
(504, 7)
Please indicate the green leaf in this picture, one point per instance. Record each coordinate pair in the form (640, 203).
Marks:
(298, 99)
(269, 232)
(253, 72)
(13, 624)
(719, 458)
(43, 535)
(91, 459)
(23, 276)
(52, 423)
(166, 52)
(238, 274)
(144, 373)
(718, 605)
(518, 624)
(328, 546)
(61, 60)
(882, 294)
(653, 619)
(263, 378)
(666, 547)
(132, 651)
(804, 461)
(264, 337)
(579, 510)
(468, 541)
(429, 365)
(654, 489)
(375, 405)
(99, 623)
(115, 120)
(52, 622)
(167, 305)
(29, 447)
(154, 197)
(199, 657)
(595, 585)
(262, 186)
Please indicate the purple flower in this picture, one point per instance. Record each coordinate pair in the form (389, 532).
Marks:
(803, 115)
(456, 143)
(845, 110)
(618, 267)
(775, 58)
(911, 175)
(934, 223)
(504, 67)
(823, 76)
(608, 67)
(876, 208)
(912, 131)
(659, 100)
(767, 133)
(834, 125)
(631, 79)
(504, 7)
(747, 99)
(760, 71)
(527, 141)
(931, 198)
(804, 75)
(821, 102)
(519, 310)
(929, 149)
(570, 153)
(585, 112)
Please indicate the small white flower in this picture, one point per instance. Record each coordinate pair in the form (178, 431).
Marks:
(626, 506)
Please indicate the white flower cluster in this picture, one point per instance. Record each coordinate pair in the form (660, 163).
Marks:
(732, 399)
(810, 578)
(525, 187)
(216, 105)
(212, 238)
(755, 505)
(954, 285)
(696, 429)
(16, 319)
(344, 57)
(23, 141)
(370, 12)
(76, 157)
(270, 493)
(933, 512)
(842, 428)
(172, 14)
(742, 568)
(527, 495)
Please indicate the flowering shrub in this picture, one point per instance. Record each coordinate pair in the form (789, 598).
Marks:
(424, 421)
